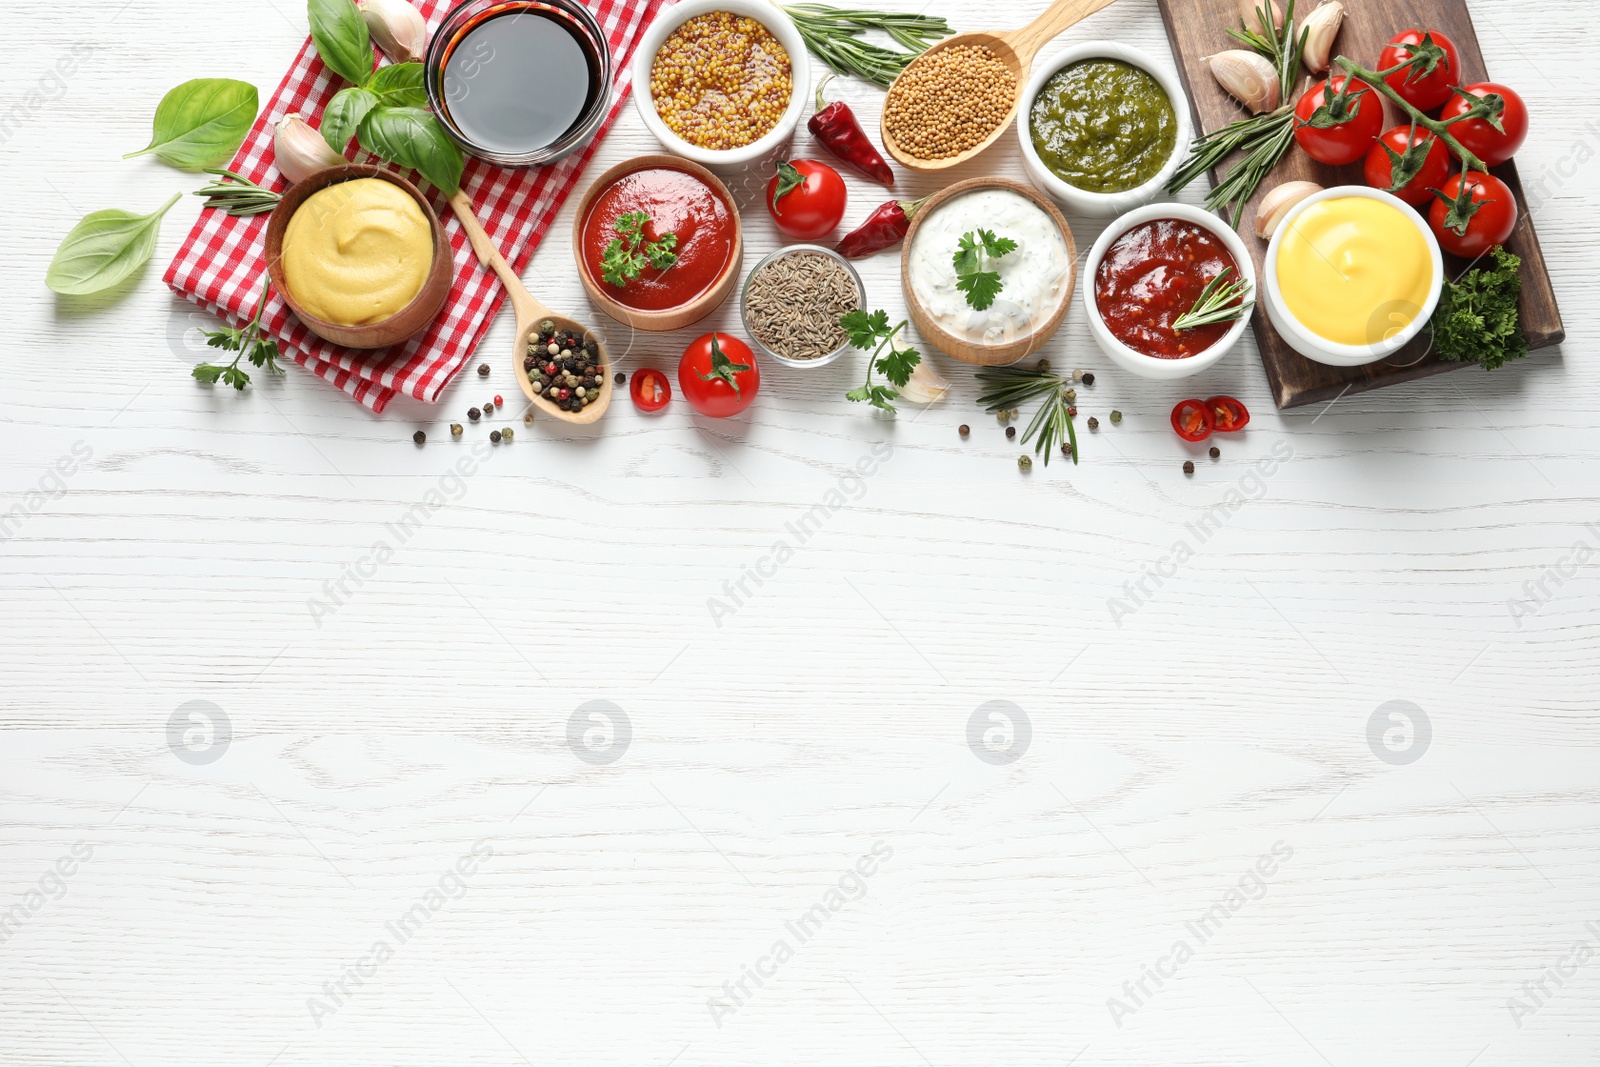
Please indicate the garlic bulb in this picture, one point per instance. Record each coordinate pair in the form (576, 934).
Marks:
(397, 27)
(1320, 28)
(1249, 77)
(1278, 203)
(300, 149)
(926, 385)
(1250, 15)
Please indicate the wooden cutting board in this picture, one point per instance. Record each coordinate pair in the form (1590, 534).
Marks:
(1198, 28)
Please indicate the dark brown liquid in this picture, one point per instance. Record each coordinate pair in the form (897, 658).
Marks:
(518, 80)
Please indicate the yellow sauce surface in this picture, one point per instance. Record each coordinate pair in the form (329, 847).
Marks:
(1354, 271)
(357, 252)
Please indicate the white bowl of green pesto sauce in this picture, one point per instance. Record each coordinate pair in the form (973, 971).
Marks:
(1103, 128)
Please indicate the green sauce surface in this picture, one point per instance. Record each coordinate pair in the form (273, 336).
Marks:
(1103, 125)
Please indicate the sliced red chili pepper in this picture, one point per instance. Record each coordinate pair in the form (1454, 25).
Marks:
(884, 228)
(649, 389)
(1227, 414)
(1192, 420)
(835, 127)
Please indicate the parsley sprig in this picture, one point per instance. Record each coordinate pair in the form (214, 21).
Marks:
(872, 333)
(628, 254)
(249, 342)
(973, 253)
(1476, 320)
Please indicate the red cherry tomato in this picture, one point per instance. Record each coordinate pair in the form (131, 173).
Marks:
(649, 389)
(1477, 135)
(1227, 414)
(1422, 91)
(1491, 224)
(1193, 421)
(806, 199)
(718, 375)
(1356, 119)
(1435, 168)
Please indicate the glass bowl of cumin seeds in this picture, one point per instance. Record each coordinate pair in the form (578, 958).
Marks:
(792, 302)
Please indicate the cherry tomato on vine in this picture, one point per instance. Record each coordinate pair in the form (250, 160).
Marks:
(649, 389)
(1407, 147)
(1477, 134)
(1422, 91)
(718, 375)
(806, 199)
(1338, 120)
(1470, 225)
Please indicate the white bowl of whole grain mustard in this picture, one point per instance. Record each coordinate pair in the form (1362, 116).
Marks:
(1352, 275)
(688, 107)
(1103, 128)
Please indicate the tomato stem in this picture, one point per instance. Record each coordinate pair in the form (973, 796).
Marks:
(1437, 128)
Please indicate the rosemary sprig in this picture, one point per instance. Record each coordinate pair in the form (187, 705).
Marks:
(237, 195)
(1216, 302)
(1009, 387)
(1260, 140)
(834, 35)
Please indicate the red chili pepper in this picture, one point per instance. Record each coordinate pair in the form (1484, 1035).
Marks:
(836, 129)
(1192, 420)
(884, 228)
(1228, 414)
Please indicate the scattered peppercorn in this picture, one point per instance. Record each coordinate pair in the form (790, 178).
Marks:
(474, 414)
(1004, 415)
(1043, 365)
(1188, 466)
(483, 370)
(419, 437)
(1025, 463)
(621, 379)
(488, 407)
(527, 420)
(1071, 395)
(456, 430)
(1011, 431)
(494, 437)
(1066, 449)
(1094, 423)
(1072, 411)
(965, 429)
(1116, 417)
(499, 402)
(1215, 451)
(507, 434)
(1088, 377)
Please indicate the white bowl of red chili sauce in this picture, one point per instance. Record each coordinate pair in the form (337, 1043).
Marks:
(1148, 268)
(728, 117)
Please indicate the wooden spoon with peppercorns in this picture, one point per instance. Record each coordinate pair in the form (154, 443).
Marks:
(1015, 50)
(530, 313)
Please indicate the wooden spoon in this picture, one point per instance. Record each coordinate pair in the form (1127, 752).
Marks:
(1016, 50)
(529, 314)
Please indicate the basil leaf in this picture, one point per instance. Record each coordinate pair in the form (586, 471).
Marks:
(412, 137)
(342, 117)
(342, 40)
(104, 249)
(202, 123)
(400, 85)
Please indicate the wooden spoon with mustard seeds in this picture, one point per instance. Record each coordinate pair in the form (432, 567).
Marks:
(529, 314)
(1015, 50)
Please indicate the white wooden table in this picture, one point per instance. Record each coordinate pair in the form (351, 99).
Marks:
(1419, 546)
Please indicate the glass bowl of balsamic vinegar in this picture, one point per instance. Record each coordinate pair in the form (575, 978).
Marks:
(518, 83)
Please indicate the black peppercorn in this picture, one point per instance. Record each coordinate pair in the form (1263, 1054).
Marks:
(1011, 431)
(483, 370)
(1188, 466)
(1094, 423)
(419, 437)
(621, 379)
(1215, 451)
(965, 429)
(494, 436)
(474, 414)
(528, 363)
(1088, 377)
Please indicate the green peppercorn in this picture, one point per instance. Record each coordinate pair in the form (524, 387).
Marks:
(1044, 366)
(1004, 415)
(1116, 417)
(507, 434)
(1025, 463)
(1072, 396)
(456, 430)
(547, 327)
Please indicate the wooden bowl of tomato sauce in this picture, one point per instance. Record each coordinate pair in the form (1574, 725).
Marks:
(680, 198)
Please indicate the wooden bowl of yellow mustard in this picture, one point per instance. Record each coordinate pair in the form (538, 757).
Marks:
(359, 256)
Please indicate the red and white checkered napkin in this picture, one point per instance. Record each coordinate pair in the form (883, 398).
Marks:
(222, 264)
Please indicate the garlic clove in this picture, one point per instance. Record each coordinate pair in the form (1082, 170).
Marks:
(926, 386)
(1249, 77)
(398, 28)
(300, 150)
(1278, 203)
(1250, 15)
(1321, 27)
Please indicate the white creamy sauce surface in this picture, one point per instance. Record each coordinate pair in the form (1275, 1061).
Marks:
(1033, 277)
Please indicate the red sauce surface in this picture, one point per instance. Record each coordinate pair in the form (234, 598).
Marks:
(1151, 275)
(678, 202)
